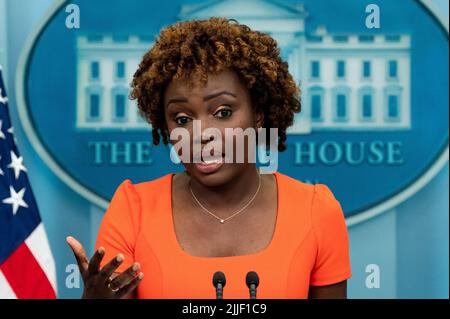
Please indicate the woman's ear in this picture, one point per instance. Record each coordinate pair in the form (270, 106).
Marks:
(259, 120)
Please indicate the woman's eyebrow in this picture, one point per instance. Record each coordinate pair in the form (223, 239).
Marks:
(205, 98)
(177, 100)
(213, 95)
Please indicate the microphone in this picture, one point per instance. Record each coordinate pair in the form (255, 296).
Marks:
(252, 281)
(219, 282)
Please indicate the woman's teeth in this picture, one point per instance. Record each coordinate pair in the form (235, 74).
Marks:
(212, 161)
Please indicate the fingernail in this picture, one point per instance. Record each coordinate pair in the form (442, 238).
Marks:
(141, 275)
(101, 250)
(119, 258)
(135, 267)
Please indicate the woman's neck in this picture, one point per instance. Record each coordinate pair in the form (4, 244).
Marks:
(227, 198)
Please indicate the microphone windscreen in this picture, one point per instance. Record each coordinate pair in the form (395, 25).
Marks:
(219, 278)
(252, 278)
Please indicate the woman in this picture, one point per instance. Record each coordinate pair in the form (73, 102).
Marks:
(217, 216)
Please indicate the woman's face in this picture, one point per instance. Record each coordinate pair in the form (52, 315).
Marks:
(223, 103)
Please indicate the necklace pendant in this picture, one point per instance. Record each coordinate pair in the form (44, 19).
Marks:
(222, 221)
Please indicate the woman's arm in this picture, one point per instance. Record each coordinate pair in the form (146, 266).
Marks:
(332, 263)
(335, 291)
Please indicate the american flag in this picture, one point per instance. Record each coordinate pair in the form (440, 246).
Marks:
(27, 268)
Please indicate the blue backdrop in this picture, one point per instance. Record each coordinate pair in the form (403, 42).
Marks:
(409, 242)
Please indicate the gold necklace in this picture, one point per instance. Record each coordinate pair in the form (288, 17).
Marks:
(222, 220)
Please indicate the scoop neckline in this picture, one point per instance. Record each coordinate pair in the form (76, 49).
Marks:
(179, 249)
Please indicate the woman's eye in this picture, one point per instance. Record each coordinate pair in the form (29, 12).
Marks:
(223, 113)
(182, 120)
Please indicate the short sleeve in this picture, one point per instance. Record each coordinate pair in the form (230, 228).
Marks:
(332, 264)
(120, 225)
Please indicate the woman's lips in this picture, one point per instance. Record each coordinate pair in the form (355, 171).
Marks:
(210, 166)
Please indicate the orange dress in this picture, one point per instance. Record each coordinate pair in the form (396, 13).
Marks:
(309, 245)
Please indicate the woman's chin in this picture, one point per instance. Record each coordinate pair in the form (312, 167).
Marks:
(211, 175)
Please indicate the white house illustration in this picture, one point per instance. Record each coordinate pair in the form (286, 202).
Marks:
(105, 68)
(348, 81)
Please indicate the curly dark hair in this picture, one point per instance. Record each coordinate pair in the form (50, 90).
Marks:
(198, 47)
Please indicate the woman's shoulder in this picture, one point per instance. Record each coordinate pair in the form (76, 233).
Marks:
(327, 209)
(320, 198)
(134, 192)
(158, 184)
(293, 188)
(320, 191)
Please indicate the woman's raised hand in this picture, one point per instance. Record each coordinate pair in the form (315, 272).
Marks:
(104, 283)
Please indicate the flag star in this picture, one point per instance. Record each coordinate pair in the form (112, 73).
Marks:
(15, 199)
(2, 135)
(1, 171)
(11, 131)
(3, 99)
(16, 164)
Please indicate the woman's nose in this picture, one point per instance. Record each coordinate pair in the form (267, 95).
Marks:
(202, 133)
(206, 136)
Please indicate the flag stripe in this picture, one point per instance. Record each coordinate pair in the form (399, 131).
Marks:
(5, 289)
(38, 245)
(25, 276)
